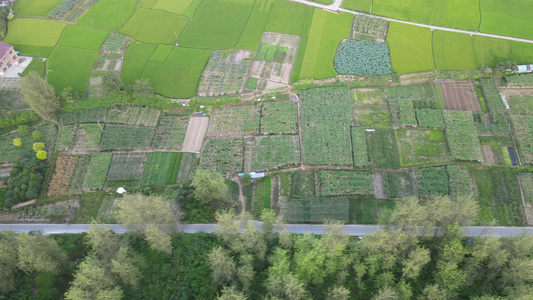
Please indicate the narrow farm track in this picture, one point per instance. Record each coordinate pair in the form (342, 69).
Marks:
(335, 7)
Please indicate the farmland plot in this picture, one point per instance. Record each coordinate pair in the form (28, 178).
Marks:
(278, 117)
(371, 110)
(523, 131)
(122, 137)
(224, 156)
(133, 115)
(91, 115)
(161, 168)
(170, 133)
(82, 37)
(403, 112)
(345, 182)
(457, 95)
(365, 210)
(234, 121)
(459, 180)
(422, 91)
(97, 171)
(88, 137)
(421, 147)
(66, 138)
(521, 105)
(526, 180)
(410, 48)
(461, 134)
(399, 185)
(326, 119)
(271, 152)
(369, 28)
(492, 95)
(302, 185)
(319, 210)
(429, 118)
(154, 26)
(431, 181)
(507, 203)
(126, 167)
(64, 170)
(225, 73)
(275, 58)
(76, 183)
(382, 149)
(108, 14)
(34, 8)
(360, 148)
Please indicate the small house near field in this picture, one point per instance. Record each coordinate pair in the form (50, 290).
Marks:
(8, 58)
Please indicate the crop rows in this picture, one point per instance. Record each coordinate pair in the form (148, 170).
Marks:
(88, 138)
(262, 196)
(66, 138)
(302, 185)
(64, 170)
(90, 115)
(319, 210)
(524, 134)
(170, 133)
(429, 118)
(431, 181)
(76, 183)
(383, 153)
(366, 25)
(97, 171)
(271, 152)
(459, 181)
(234, 121)
(403, 112)
(345, 182)
(278, 117)
(126, 166)
(491, 94)
(520, 79)
(326, 117)
(362, 58)
(224, 156)
(123, 137)
(526, 181)
(360, 149)
(507, 198)
(399, 185)
(461, 134)
(133, 115)
(161, 168)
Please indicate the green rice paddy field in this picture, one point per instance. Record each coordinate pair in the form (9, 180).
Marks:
(200, 26)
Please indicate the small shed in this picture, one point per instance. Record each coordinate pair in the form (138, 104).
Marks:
(524, 68)
(253, 175)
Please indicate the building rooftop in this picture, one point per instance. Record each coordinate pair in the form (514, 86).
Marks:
(4, 48)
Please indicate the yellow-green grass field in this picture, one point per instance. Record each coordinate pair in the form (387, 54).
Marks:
(357, 5)
(148, 3)
(509, 17)
(70, 67)
(34, 32)
(108, 14)
(216, 25)
(173, 6)
(34, 51)
(154, 26)
(186, 56)
(173, 80)
(410, 48)
(83, 37)
(312, 48)
(161, 53)
(287, 17)
(39, 8)
(252, 32)
(135, 60)
(453, 51)
(462, 14)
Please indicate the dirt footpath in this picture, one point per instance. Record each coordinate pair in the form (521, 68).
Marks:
(194, 138)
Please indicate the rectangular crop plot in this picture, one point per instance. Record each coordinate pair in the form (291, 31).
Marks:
(360, 148)
(429, 118)
(170, 133)
(126, 166)
(34, 32)
(509, 18)
(133, 115)
(421, 147)
(108, 14)
(234, 121)
(492, 95)
(224, 156)
(161, 168)
(122, 137)
(410, 48)
(431, 181)
(422, 91)
(82, 37)
(459, 180)
(403, 112)
(461, 134)
(154, 26)
(526, 181)
(369, 28)
(453, 51)
(64, 170)
(279, 117)
(382, 149)
(326, 117)
(71, 67)
(459, 95)
(275, 59)
(271, 152)
(371, 108)
(319, 210)
(346, 182)
(523, 131)
(88, 137)
(91, 115)
(97, 171)
(399, 185)
(225, 73)
(302, 185)
(34, 8)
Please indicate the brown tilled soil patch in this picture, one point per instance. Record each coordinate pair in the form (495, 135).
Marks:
(459, 95)
(194, 138)
(488, 156)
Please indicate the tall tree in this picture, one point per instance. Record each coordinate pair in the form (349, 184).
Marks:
(8, 261)
(142, 89)
(103, 241)
(111, 83)
(230, 293)
(125, 266)
(222, 265)
(209, 186)
(92, 281)
(158, 239)
(38, 253)
(40, 96)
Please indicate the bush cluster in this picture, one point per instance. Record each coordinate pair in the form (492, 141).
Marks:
(4, 12)
(362, 58)
(26, 179)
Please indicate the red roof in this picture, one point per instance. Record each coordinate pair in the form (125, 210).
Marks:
(4, 48)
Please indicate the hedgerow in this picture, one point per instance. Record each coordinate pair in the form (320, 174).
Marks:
(362, 58)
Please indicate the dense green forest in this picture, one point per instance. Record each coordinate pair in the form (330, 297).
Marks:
(272, 263)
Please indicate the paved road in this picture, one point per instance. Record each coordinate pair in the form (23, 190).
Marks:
(335, 6)
(352, 230)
